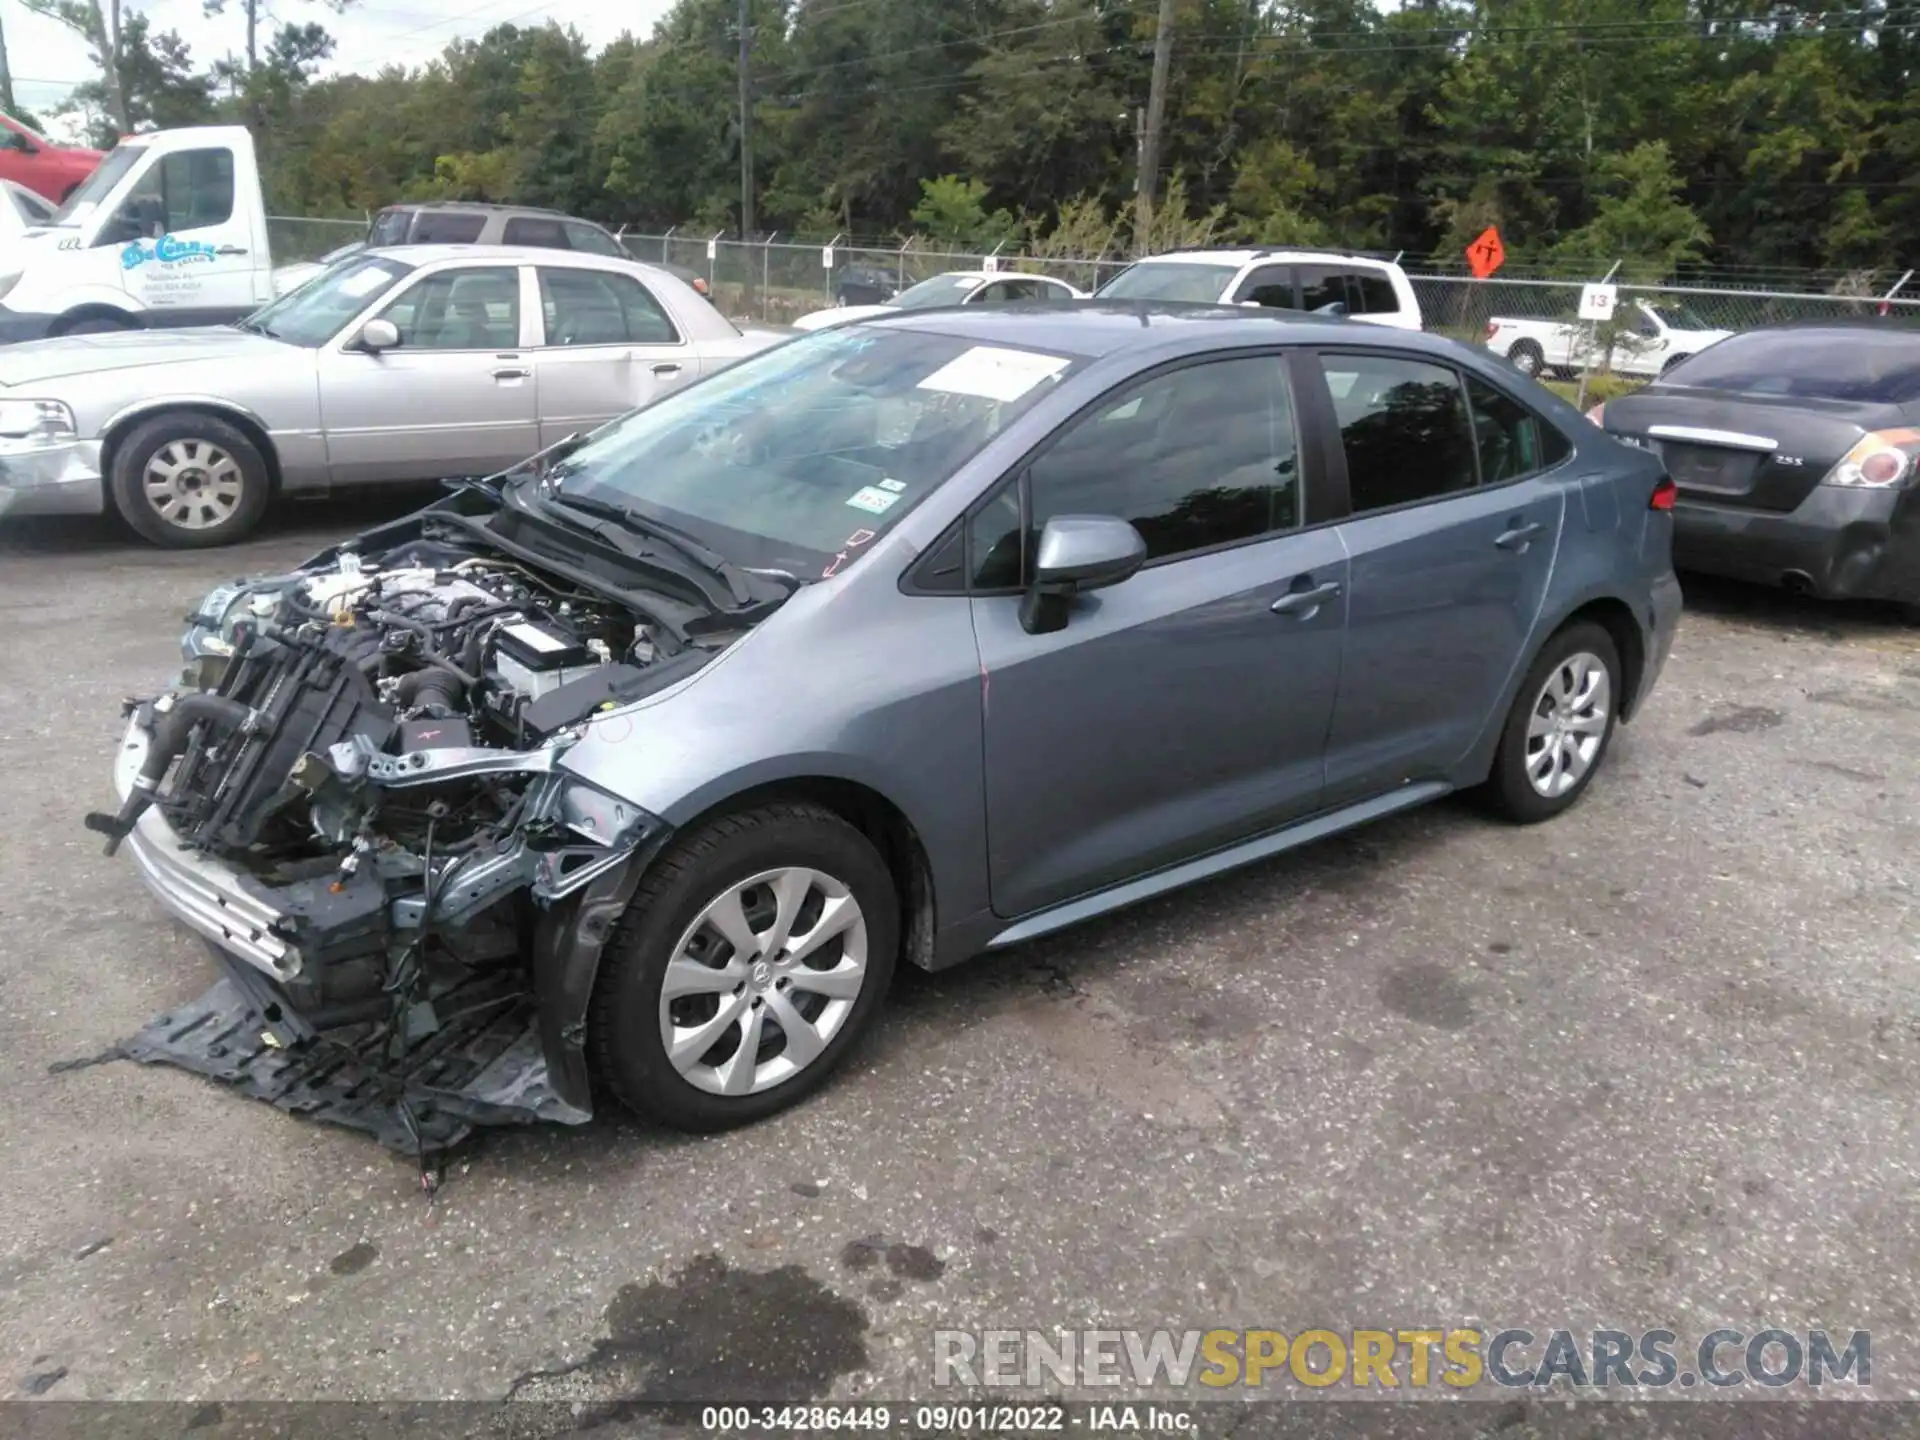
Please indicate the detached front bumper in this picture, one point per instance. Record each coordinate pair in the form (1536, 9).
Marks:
(38, 477)
(1840, 542)
(211, 897)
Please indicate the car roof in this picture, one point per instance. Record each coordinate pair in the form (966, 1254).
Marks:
(991, 275)
(479, 207)
(502, 255)
(1093, 328)
(1247, 257)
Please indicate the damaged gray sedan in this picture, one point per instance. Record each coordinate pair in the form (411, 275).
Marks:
(633, 771)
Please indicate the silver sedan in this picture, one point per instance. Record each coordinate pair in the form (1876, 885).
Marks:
(418, 363)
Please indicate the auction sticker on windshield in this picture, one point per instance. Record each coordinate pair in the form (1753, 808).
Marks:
(872, 499)
(994, 373)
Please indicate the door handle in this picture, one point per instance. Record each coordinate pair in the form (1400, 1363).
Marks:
(231, 250)
(666, 368)
(1518, 537)
(511, 374)
(1305, 603)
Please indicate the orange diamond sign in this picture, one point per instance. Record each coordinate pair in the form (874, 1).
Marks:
(1486, 254)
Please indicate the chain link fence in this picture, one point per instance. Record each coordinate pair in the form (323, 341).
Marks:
(293, 238)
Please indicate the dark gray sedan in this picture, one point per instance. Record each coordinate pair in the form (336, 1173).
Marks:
(906, 640)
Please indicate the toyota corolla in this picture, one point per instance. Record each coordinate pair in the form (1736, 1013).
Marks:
(635, 772)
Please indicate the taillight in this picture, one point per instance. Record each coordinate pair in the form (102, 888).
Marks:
(1882, 459)
(1664, 494)
(1598, 414)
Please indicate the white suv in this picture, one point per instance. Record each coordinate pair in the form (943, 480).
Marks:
(1327, 282)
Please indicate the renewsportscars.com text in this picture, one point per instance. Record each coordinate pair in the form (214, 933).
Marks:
(1399, 1360)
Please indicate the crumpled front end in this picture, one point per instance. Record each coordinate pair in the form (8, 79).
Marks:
(356, 797)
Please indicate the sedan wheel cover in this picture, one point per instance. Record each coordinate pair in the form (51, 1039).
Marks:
(762, 980)
(1567, 724)
(193, 484)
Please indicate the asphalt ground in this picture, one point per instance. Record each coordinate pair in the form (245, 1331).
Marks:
(1650, 1066)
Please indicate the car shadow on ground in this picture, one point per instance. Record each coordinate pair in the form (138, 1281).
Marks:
(1768, 607)
(328, 518)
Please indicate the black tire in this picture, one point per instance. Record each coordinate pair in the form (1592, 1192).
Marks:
(1509, 789)
(625, 1046)
(1528, 358)
(195, 436)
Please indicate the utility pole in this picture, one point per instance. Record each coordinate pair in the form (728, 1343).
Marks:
(1156, 114)
(746, 114)
(6, 75)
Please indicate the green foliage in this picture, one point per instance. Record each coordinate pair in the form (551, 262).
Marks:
(1640, 220)
(1662, 133)
(954, 211)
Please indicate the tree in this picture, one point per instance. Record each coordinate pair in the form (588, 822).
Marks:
(99, 24)
(953, 211)
(1641, 221)
(250, 11)
(151, 84)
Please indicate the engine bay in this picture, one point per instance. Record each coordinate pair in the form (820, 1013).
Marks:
(366, 750)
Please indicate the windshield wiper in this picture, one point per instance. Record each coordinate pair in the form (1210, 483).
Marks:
(254, 327)
(675, 539)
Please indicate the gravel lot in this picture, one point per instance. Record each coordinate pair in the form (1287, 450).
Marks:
(1653, 1065)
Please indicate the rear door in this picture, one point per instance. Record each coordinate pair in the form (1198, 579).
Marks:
(606, 344)
(1456, 494)
(455, 397)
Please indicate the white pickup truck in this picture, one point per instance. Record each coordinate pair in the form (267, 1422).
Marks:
(1649, 336)
(169, 230)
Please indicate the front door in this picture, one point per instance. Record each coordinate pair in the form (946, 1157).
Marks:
(455, 397)
(607, 346)
(193, 263)
(1187, 707)
(1456, 517)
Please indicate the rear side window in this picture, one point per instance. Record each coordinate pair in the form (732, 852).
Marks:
(1875, 367)
(1363, 292)
(591, 240)
(1404, 428)
(1375, 293)
(1511, 439)
(595, 307)
(447, 227)
(530, 230)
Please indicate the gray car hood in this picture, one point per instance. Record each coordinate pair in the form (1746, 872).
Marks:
(38, 360)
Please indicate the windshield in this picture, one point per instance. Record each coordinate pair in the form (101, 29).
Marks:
(941, 290)
(107, 174)
(1171, 280)
(799, 457)
(1677, 316)
(1868, 366)
(313, 314)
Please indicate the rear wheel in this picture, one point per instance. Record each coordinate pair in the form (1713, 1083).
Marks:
(752, 958)
(189, 481)
(1528, 358)
(1562, 721)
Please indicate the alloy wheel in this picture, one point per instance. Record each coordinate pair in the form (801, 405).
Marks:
(193, 484)
(762, 980)
(1567, 723)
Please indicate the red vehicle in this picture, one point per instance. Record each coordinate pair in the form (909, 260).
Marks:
(32, 160)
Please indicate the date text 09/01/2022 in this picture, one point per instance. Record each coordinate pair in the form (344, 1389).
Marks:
(947, 1419)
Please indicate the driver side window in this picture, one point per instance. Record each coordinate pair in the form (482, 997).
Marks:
(471, 309)
(1196, 457)
(187, 190)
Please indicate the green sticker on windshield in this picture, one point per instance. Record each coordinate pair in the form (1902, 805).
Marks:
(872, 499)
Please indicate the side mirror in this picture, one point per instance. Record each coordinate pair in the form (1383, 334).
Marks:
(1336, 308)
(378, 335)
(1077, 553)
(16, 141)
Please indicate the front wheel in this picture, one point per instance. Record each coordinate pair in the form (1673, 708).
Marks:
(189, 481)
(751, 959)
(1561, 723)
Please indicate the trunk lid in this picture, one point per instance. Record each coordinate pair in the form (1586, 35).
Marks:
(1757, 452)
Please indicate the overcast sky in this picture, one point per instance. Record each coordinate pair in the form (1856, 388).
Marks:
(48, 60)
